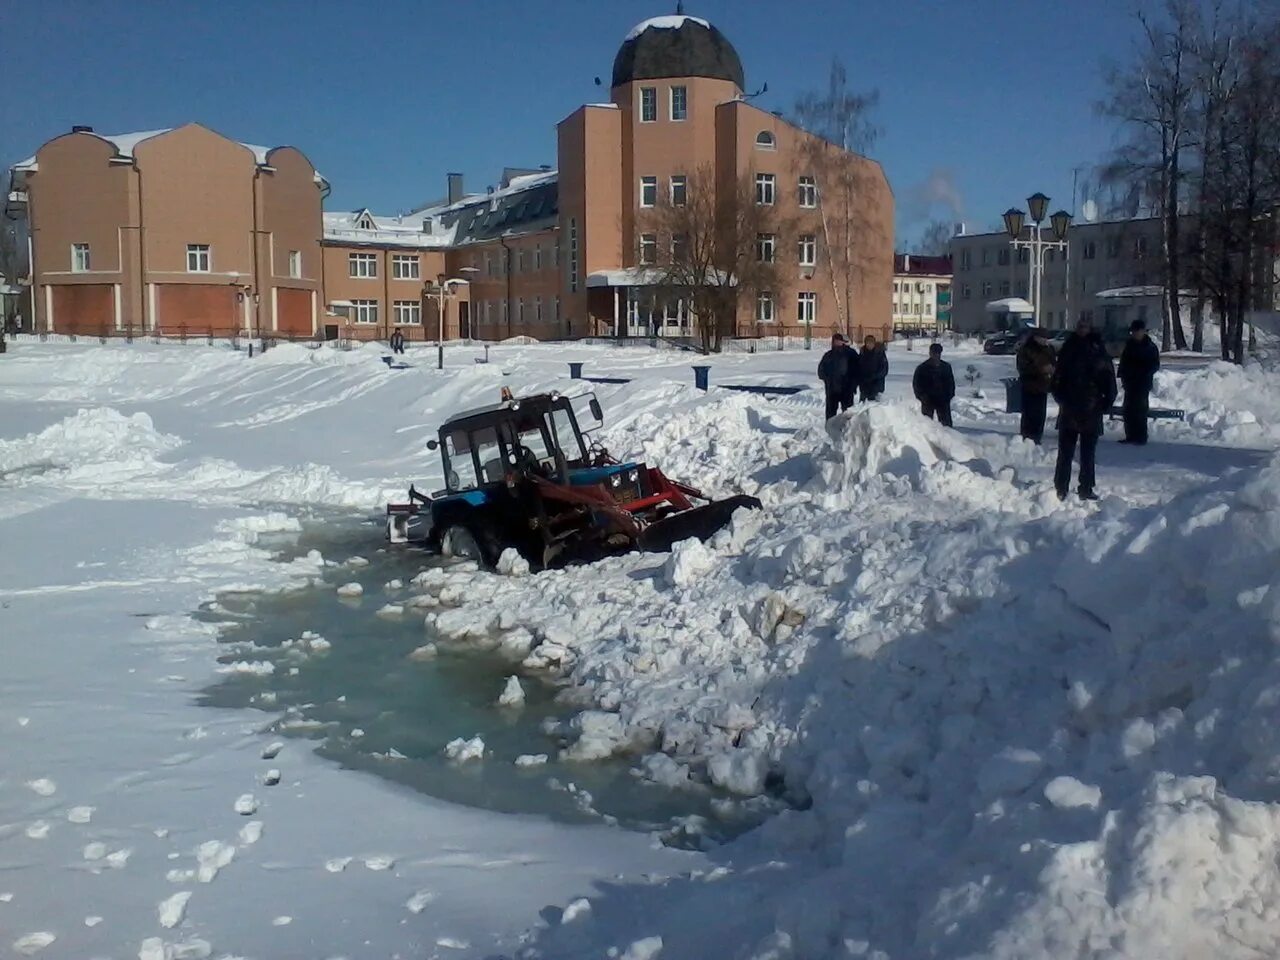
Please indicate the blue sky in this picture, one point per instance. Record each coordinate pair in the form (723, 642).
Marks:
(982, 101)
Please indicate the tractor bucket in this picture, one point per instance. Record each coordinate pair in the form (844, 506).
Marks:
(701, 522)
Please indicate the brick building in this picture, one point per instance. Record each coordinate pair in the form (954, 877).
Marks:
(185, 231)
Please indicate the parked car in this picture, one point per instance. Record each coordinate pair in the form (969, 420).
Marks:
(1001, 344)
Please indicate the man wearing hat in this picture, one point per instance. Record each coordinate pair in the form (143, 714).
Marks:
(934, 385)
(838, 371)
(1138, 365)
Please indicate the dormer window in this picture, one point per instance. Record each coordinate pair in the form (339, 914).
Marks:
(427, 225)
(364, 221)
(766, 141)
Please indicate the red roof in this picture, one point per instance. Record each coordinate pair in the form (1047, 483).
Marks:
(915, 265)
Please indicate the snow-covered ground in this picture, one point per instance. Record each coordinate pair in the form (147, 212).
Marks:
(1003, 726)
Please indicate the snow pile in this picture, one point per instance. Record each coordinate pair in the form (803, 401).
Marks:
(99, 443)
(1225, 402)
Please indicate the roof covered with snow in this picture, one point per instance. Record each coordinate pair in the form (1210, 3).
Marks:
(126, 142)
(527, 203)
(676, 46)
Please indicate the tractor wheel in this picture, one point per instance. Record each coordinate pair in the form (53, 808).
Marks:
(461, 542)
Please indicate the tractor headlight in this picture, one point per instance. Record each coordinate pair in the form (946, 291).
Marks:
(615, 480)
(633, 476)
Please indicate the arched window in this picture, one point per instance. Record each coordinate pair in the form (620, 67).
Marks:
(765, 141)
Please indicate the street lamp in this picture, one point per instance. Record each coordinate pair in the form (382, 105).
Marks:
(445, 288)
(1015, 220)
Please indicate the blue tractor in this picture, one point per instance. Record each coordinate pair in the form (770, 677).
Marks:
(521, 474)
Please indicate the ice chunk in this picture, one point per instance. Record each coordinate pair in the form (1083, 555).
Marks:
(337, 864)
(379, 863)
(600, 735)
(461, 749)
(419, 901)
(352, 589)
(531, 759)
(251, 833)
(272, 750)
(390, 611)
(246, 805)
(92, 921)
(171, 909)
(741, 771)
(38, 829)
(1010, 771)
(212, 856)
(665, 770)
(1068, 793)
(577, 909)
(512, 694)
(259, 668)
(80, 814)
(645, 949)
(511, 564)
(689, 560)
(281, 921)
(94, 851)
(427, 651)
(44, 787)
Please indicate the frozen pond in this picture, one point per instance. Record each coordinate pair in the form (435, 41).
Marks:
(370, 704)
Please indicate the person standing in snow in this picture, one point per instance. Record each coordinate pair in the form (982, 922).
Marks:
(1138, 365)
(873, 368)
(838, 371)
(1084, 385)
(934, 385)
(1035, 375)
(397, 341)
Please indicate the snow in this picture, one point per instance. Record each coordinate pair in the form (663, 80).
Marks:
(669, 22)
(987, 723)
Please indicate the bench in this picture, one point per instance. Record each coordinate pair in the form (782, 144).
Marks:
(1155, 413)
(761, 388)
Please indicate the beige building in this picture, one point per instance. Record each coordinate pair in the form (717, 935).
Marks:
(173, 232)
(921, 294)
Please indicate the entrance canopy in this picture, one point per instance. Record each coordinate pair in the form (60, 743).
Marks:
(1011, 305)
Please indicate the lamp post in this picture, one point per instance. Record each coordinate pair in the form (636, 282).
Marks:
(445, 288)
(1015, 220)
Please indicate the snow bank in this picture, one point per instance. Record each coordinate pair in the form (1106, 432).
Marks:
(1226, 403)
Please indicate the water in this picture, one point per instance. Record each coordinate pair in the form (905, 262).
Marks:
(369, 707)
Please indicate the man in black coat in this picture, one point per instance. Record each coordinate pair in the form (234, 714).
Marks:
(1138, 365)
(838, 371)
(934, 386)
(397, 341)
(1084, 385)
(873, 367)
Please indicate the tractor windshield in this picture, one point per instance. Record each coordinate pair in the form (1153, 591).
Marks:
(472, 458)
(566, 433)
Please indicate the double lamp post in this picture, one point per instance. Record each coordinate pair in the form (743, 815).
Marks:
(444, 288)
(1015, 220)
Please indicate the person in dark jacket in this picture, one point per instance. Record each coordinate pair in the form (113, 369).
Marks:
(838, 371)
(934, 385)
(1035, 376)
(1084, 385)
(397, 341)
(1138, 365)
(873, 367)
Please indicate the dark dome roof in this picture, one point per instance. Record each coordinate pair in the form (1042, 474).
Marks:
(676, 46)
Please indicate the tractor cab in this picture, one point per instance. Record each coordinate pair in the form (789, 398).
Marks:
(520, 474)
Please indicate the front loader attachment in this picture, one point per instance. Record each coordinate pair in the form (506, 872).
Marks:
(702, 522)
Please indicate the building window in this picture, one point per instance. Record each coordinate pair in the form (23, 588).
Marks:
(198, 258)
(679, 103)
(408, 313)
(366, 311)
(295, 264)
(966, 260)
(764, 308)
(80, 258)
(490, 268)
(986, 289)
(555, 309)
(764, 247)
(404, 266)
(1002, 257)
(809, 250)
(764, 189)
(1112, 247)
(1024, 256)
(648, 104)
(1004, 288)
(1022, 288)
(573, 255)
(365, 222)
(680, 248)
(537, 257)
(965, 292)
(807, 193)
(520, 311)
(928, 309)
(986, 256)
(522, 260)
(766, 141)
(1139, 248)
(806, 307)
(648, 248)
(1090, 250)
(679, 191)
(1049, 255)
(555, 253)
(648, 191)
(362, 266)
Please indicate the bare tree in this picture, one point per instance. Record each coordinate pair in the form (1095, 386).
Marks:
(935, 240)
(713, 251)
(1152, 98)
(13, 263)
(840, 120)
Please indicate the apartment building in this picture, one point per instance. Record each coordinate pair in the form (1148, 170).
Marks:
(921, 294)
(179, 232)
(1111, 272)
(187, 232)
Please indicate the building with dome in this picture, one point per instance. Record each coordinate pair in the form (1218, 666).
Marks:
(556, 252)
